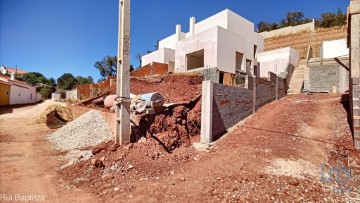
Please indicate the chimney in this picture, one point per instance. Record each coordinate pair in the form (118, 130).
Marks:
(192, 26)
(178, 32)
(12, 76)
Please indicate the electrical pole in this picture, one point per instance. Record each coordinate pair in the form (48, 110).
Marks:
(123, 75)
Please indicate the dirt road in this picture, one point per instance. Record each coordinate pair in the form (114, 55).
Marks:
(282, 153)
(28, 165)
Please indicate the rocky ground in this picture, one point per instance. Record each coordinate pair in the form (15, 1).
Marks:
(283, 153)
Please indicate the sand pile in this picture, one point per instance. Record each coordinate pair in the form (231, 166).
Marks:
(34, 111)
(64, 112)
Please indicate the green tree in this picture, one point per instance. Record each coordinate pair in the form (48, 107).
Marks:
(341, 18)
(107, 66)
(66, 82)
(327, 20)
(292, 19)
(263, 26)
(35, 78)
(274, 26)
(46, 91)
(84, 80)
(52, 82)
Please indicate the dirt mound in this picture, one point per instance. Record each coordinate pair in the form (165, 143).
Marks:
(113, 167)
(234, 170)
(173, 127)
(174, 88)
(64, 112)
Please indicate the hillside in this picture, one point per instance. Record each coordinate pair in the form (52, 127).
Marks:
(301, 41)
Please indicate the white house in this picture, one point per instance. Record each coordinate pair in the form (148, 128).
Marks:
(225, 41)
(7, 70)
(14, 92)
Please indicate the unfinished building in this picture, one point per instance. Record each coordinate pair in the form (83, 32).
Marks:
(220, 47)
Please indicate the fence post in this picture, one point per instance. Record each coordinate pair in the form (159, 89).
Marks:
(277, 83)
(206, 111)
(254, 84)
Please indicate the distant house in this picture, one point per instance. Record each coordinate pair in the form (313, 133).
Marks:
(14, 92)
(7, 70)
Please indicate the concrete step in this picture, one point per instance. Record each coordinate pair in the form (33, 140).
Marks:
(297, 80)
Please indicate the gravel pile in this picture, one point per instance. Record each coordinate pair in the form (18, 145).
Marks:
(89, 129)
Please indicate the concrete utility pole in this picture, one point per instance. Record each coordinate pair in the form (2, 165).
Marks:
(354, 45)
(123, 75)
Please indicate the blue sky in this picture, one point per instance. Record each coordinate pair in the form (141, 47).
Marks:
(68, 36)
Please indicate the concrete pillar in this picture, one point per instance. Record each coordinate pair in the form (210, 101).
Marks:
(354, 33)
(178, 32)
(192, 26)
(206, 111)
(254, 83)
(276, 83)
(123, 75)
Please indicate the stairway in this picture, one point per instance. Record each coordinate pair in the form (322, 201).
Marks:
(297, 80)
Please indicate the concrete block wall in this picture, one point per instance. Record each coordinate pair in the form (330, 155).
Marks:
(328, 76)
(230, 105)
(355, 105)
(212, 74)
(354, 85)
(269, 89)
(224, 106)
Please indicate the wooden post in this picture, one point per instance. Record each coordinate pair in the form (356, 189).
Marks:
(123, 75)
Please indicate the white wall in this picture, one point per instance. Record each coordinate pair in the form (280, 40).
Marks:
(38, 97)
(55, 96)
(234, 33)
(220, 47)
(163, 55)
(245, 28)
(219, 19)
(22, 94)
(282, 58)
(170, 41)
(308, 27)
(204, 40)
(333, 49)
(228, 44)
(73, 94)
